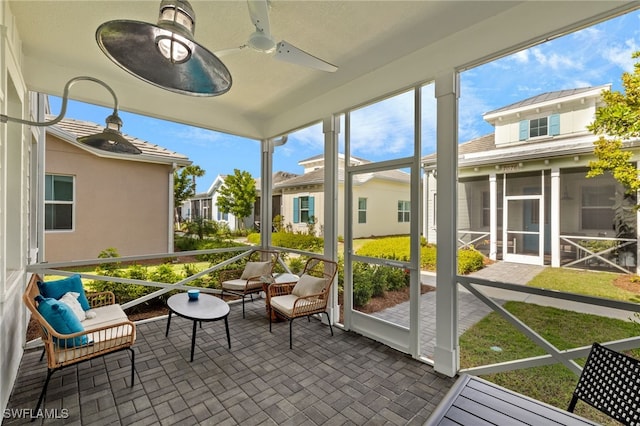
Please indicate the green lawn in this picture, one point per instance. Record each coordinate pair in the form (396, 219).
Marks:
(590, 283)
(564, 329)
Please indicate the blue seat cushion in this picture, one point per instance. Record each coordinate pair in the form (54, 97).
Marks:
(62, 319)
(58, 288)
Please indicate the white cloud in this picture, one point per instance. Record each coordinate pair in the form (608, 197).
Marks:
(521, 57)
(620, 55)
(555, 61)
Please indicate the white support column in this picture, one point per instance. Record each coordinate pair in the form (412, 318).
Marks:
(638, 228)
(415, 228)
(447, 356)
(554, 220)
(493, 216)
(266, 186)
(331, 129)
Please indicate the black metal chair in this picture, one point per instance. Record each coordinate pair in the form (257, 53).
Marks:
(610, 382)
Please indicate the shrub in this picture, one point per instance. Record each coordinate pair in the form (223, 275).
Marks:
(469, 260)
(296, 265)
(298, 241)
(397, 248)
(362, 284)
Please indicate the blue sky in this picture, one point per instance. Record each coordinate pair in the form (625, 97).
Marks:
(591, 57)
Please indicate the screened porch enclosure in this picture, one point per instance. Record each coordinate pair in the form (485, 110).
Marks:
(587, 223)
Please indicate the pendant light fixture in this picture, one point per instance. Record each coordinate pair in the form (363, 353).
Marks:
(165, 55)
(108, 140)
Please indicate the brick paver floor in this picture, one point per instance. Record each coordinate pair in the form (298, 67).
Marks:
(344, 379)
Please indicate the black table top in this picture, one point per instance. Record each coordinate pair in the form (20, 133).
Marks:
(205, 308)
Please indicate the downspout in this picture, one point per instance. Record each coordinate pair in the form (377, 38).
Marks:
(42, 141)
(172, 209)
(266, 189)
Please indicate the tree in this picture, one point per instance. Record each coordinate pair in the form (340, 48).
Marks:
(619, 119)
(237, 195)
(184, 186)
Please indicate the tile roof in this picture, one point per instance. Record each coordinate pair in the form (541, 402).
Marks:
(79, 128)
(481, 144)
(316, 177)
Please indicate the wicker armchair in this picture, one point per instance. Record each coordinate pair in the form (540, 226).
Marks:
(110, 331)
(610, 383)
(309, 296)
(248, 281)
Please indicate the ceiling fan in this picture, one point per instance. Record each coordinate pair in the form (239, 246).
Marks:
(261, 40)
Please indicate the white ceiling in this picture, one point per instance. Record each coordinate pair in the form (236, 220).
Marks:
(379, 47)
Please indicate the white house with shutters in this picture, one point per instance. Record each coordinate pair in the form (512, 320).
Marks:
(381, 200)
(523, 191)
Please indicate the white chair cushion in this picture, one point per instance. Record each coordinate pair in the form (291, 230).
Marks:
(308, 285)
(256, 269)
(105, 315)
(241, 285)
(285, 303)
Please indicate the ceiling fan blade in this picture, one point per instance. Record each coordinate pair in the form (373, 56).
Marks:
(259, 12)
(230, 51)
(289, 53)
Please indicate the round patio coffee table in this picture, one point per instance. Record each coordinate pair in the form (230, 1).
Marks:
(205, 308)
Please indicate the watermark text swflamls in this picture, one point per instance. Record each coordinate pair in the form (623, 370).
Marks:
(28, 413)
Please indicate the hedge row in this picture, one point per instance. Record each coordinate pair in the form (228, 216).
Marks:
(294, 240)
(397, 248)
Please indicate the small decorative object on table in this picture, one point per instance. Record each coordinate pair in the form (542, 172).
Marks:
(193, 294)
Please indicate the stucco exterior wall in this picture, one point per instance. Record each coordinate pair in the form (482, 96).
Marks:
(118, 203)
(382, 208)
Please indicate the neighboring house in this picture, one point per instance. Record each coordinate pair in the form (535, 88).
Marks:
(523, 194)
(96, 199)
(276, 204)
(381, 205)
(205, 205)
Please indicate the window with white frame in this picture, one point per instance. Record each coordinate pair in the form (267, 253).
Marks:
(541, 126)
(538, 127)
(404, 211)
(597, 207)
(362, 210)
(303, 209)
(58, 204)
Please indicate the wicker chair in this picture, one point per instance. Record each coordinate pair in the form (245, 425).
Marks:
(307, 297)
(248, 281)
(610, 382)
(115, 333)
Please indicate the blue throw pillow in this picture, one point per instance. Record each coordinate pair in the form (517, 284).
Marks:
(63, 320)
(57, 289)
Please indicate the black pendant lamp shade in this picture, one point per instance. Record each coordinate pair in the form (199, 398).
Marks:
(110, 139)
(165, 55)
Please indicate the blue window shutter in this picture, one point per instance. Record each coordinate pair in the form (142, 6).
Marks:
(311, 208)
(554, 124)
(296, 210)
(524, 130)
